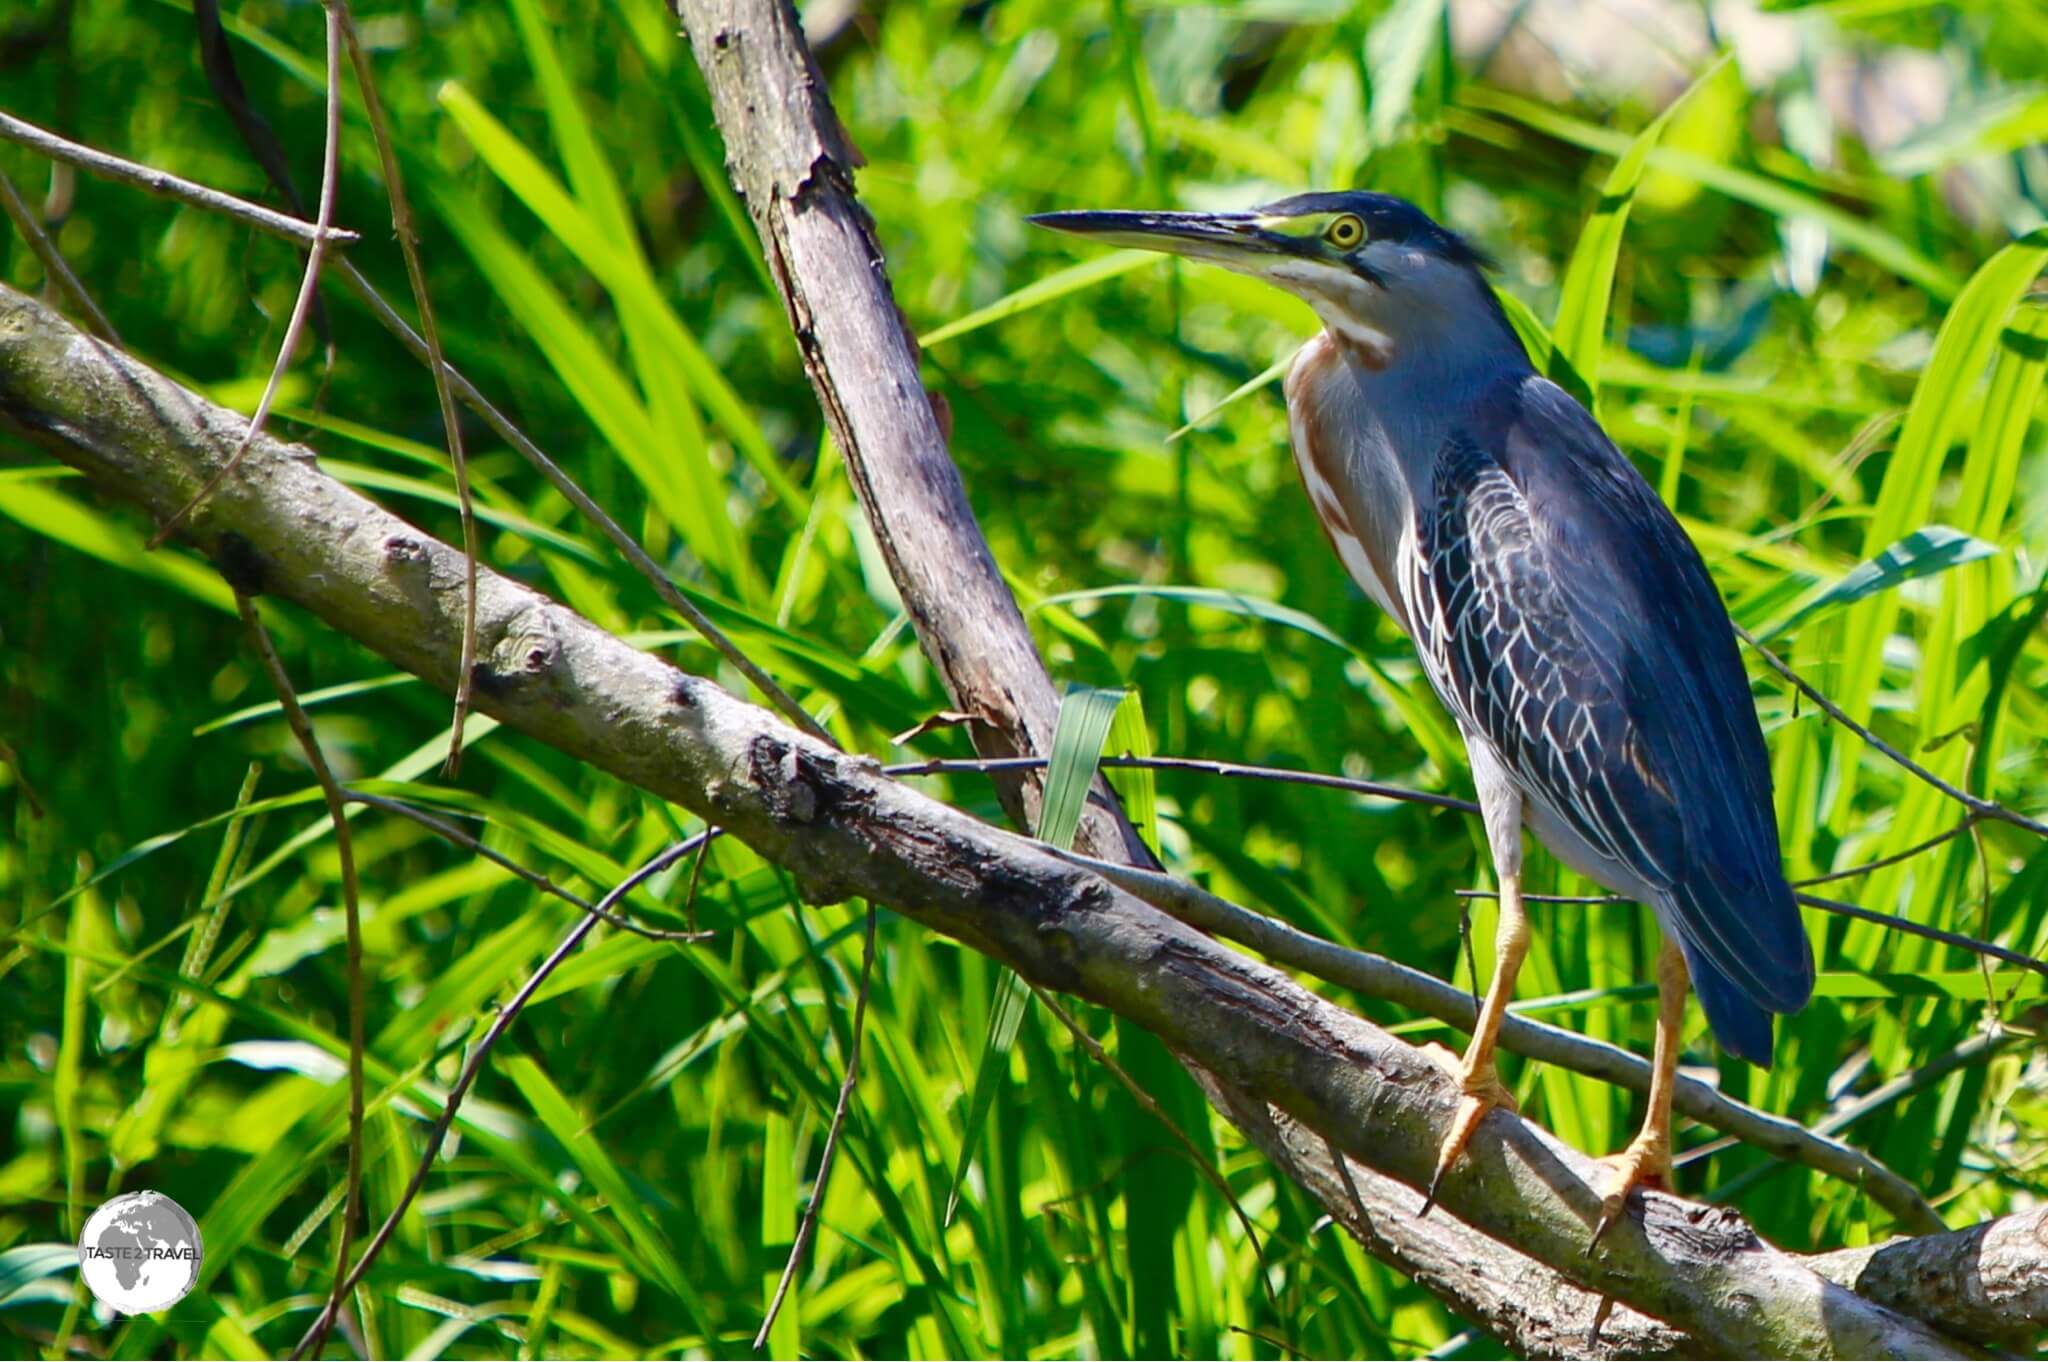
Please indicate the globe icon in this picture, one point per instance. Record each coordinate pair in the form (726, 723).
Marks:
(140, 1252)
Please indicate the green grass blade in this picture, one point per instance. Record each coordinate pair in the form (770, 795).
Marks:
(1266, 377)
(1396, 49)
(1039, 292)
(656, 331)
(1922, 553)
(1084, 723)
(656, 342)
(591, 174)
(1965, 984)
(1085, 716)
(82, 934)
(1230, 602)
(1581, 330)
(1673, 468)
(1972, 326)
(379, 480)
(1985, 126)
(577, 357)
(307, 700)
(1773, 197)
(778, 1232)
(1005, 1015)
(59, 518)
(1136, 787)
(26, 1263)
(623, 1200)
(1536, 339)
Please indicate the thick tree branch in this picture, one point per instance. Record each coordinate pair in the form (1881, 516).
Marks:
(1513, 1297)
(1989, 1283)
(1376, 976)
(791, 162)
(844, 830)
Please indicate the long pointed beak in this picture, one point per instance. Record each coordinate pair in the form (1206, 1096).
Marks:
(1226, 238)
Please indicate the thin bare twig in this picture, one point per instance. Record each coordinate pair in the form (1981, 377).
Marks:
(1343, 1167)
(1970, 820)
(1378, 790)
(409, 247)
(1231, 770)
(344, 846)
(1378, 977)
(1979, 1047)
(330, 175)
(1956, 939)
(696, 877)
(1544, 898)
(449, 832)
(309, 284)
(1984, 808)
(54, 263)
(500, 1024)
(809, 1225)
(1835, 906)
(645, 565)
(1156, 1112)
(1984, 965)
(169, 186)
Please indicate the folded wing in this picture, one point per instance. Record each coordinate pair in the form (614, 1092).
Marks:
(1571, 622)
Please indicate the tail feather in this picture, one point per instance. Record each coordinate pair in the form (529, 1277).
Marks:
(1747, 926)
(1742, 1027)
(1747, 952)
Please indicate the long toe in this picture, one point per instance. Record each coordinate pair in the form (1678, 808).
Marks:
(1481, 1094)
(1645, 1163)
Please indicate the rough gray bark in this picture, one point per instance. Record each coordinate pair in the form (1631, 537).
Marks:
(1512, 1297)
(1988, 1283)
(793, 166)
(283, 526)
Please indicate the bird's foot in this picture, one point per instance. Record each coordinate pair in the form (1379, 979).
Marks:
(1645, 1163)
(1481, 1091)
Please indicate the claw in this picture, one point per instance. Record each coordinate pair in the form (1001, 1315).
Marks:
(1645, 1163)
(1482, 1093)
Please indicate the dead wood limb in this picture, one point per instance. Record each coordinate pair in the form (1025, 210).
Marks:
(793, 166)
(1988, 1283)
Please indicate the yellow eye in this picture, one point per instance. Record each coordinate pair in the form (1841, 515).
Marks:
(1345, 232)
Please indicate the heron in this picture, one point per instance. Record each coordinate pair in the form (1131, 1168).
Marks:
(1560, 612)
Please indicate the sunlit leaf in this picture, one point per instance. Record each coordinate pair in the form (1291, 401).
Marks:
(1060, 283)
(1084, 723)
(1920, 554)
(1580, 332)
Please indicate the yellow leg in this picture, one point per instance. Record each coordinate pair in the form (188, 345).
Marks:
(1647, 1160)
(1477, 1080)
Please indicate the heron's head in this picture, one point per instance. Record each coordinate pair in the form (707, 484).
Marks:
(1378, 271)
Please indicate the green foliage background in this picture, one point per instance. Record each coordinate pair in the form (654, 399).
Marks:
(1800, 339)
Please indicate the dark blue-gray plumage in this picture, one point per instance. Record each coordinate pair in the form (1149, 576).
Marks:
(1561, 613)
(1564, 615)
